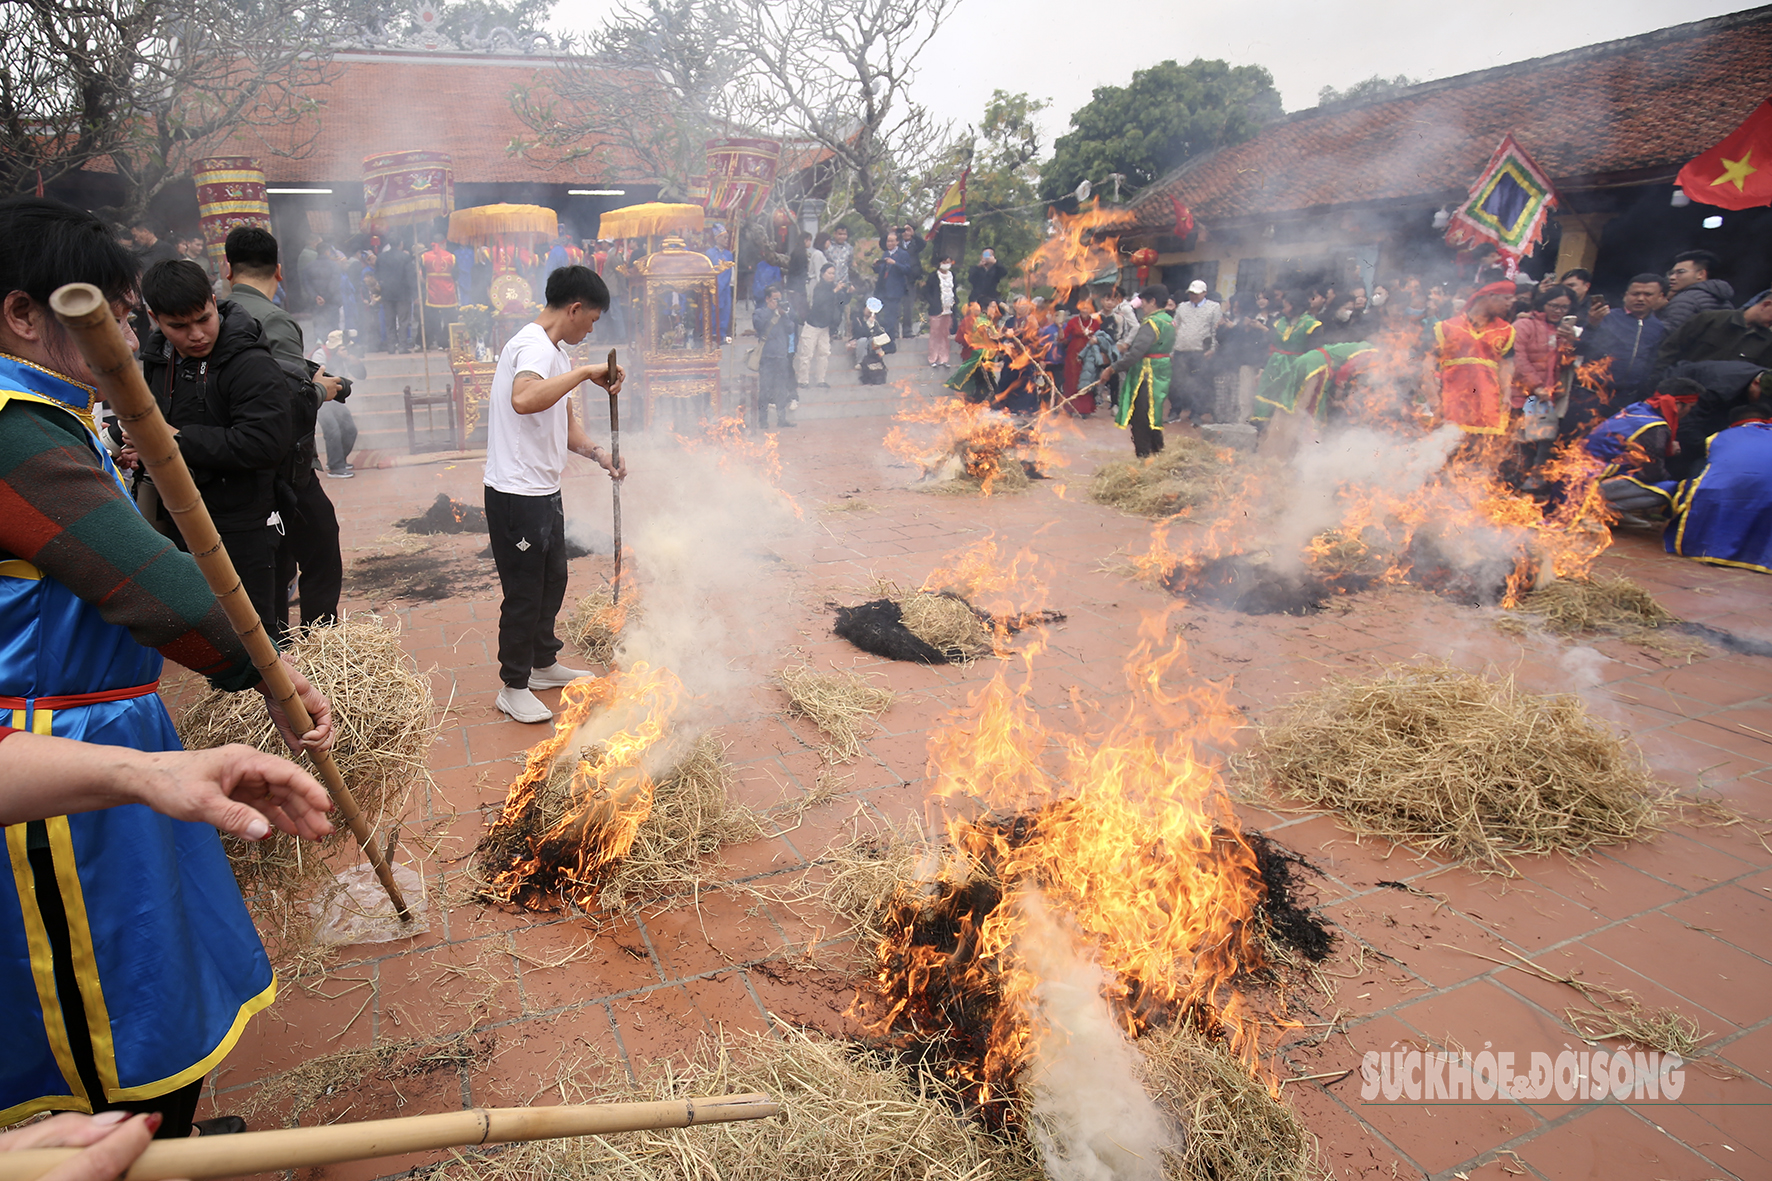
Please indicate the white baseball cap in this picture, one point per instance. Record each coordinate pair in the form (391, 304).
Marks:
(1198, 285)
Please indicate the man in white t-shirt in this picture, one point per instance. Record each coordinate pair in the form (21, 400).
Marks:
(529, 429)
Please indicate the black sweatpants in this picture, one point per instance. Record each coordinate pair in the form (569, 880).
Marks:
(529, 549)
(254, 554)
(1146, 439)
(310, 544)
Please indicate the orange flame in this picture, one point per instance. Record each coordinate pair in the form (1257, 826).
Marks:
(950, 437)
(585, 791)
(1086, 244)
(1124, 828)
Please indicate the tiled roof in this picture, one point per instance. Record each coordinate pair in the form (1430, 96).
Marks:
(390, 102)
(1639, 107)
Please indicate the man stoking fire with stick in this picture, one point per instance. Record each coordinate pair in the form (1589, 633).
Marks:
(530, 428)
(132, 963)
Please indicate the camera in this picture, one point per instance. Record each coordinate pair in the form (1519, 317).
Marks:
(344, 389)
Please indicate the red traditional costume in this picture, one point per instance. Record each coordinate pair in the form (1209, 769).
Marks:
(439, 267)
(1469, 360)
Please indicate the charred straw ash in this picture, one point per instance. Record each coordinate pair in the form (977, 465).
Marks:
(931, 627)
(446, 516)
(939, 1001)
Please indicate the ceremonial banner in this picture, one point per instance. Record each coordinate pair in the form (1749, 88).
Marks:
(1507, 205)
(407, 188)
(1737, 173)
(698, 190)
(740, 174)
(951, 209)
(230, 192)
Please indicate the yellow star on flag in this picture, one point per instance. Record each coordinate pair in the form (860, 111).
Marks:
(1736, 170)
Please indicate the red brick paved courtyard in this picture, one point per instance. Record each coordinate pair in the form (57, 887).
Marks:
(551, 1002)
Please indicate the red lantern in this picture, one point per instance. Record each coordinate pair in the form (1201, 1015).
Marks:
(1142, 258)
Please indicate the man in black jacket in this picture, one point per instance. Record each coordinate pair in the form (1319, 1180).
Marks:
(233, 409)
(983, 280)
(310, 537)
(1740, 334)
(396, 273)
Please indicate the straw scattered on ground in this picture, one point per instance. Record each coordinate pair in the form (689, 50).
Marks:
(1605, 605)
(596, 624)
(842, 705)
(1460, 766)
(383, 717)
(1236, 1129)
(292, 1095)
(861, 876)
(847, 1115)
(1187, 473)
(946, 623)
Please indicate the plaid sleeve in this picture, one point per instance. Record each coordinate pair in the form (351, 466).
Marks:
(61, 512)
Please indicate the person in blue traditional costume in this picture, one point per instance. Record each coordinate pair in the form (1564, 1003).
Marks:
(129, 965)
(1723, 514)
(723, 263)
(1636, 445)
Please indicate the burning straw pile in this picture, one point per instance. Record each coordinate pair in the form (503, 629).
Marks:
(1460, 766)
(1187, 473)
(446, 516)
(967, 449)
(383, 718)
(611, 808)
(941, 622)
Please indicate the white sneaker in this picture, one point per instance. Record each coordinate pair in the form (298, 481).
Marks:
(554, 676)
(523, 706)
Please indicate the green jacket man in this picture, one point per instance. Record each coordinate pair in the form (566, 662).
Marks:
(1146, 363)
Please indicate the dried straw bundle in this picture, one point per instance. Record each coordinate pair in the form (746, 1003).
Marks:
(1186, 473)
(1236, 1129)
(688, 816)
(1460, 766)
(383, 716)
(838, 703)
(863, 875)
(847, 1115)
(946, 623)
(1003, 473)
(596, 624)
(1603, 603)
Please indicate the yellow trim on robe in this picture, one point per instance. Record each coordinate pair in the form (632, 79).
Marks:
(92, 993)
(191, 1074)
(19, 568)
(43, 973)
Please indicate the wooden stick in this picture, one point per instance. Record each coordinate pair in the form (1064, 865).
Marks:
(615, 462)
(299, 1148)
(82, 308)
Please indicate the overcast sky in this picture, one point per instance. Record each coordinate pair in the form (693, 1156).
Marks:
(1062, 49)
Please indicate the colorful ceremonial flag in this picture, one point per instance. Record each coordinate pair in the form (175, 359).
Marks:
(407, 188)
(1507, 205)
(1737, 173)
(740, 174)
(951, 209)
(230, 193)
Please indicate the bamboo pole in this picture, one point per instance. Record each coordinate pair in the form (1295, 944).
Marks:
(82, 308)
(615, 462)
(202, 1157)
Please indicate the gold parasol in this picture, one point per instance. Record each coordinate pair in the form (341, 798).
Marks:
(654, 217)
(485, 224)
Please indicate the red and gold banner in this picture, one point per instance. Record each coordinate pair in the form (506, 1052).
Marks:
(740, 174)
(698, 190)
(407, 188)
(230, 192)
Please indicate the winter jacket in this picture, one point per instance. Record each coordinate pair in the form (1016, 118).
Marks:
(235, 412)
(982, 282)
(1630, 343)
(775, 329)
(394, 271)
(825, 310)
(1725, 391)
(895, 271)
(1708, 296)
(283, 337)
(1714, 336)
(1538, 356)
(932, 293)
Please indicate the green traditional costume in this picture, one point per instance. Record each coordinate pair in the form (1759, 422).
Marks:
(1290, 362)
(1152, 374)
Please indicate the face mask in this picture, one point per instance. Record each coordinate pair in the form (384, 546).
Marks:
(1344, 315)
(946, 266)
(1377, 300)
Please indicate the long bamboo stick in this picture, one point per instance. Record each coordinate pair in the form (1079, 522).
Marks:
(82, 308)
(615, 462)
(299, 1148)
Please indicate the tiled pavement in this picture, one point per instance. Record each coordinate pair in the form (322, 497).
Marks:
(549, 1002)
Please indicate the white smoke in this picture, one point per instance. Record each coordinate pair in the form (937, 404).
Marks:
(1360, 459)
(697, 531)
(1091, 1117)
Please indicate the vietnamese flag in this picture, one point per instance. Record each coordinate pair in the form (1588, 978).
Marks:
(1737, 173)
